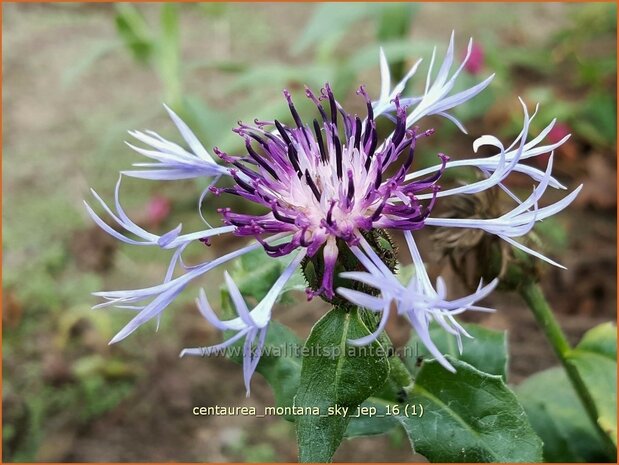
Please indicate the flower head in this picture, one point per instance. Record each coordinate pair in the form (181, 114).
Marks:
(330, 188)
(320, 185)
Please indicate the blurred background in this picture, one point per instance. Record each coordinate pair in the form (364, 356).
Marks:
(78, 76)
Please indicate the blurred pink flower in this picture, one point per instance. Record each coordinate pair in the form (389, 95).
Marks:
(555, 136)
(476, 60)
(158, 209)
(558, 132)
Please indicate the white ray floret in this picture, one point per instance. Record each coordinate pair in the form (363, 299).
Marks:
(252, 325)
(436, 99)
(419, 302)
(170, 240)
(172, 161)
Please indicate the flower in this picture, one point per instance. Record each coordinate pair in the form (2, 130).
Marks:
(558, 132)
(158, 209)
(174, 161)
(418, 302)
(321, 187)
(435, 99)
(251, 325)
(169, 240)
(476, 61)
(327, 188)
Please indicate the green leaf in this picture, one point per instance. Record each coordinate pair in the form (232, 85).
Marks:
(99, 50)
(556, 411)
(329, 20)
(597, 119)
(599, 374)
(255, 273)
(226, 66)
(280, 364)
(552, 235)
(477, 107)
(371, 425)
(487, 351)
(343, 80)
(169, 55)
(558, 416)
(208, 123)
(393, 22)
(257, 106)
(214, 10)
(335, 374)
(278, 75)
(396, 50)
(468, 416)
(601, 340)
(366, 424)
(394, 390)
(595, 358)
(134, 31)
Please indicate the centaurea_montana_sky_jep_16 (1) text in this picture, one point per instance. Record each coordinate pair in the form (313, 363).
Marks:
(330, 190)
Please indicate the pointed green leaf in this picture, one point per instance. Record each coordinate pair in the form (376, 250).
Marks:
(556, 411)
(366, 424)
(469, 416)
(329, 20)
(394, 390)
(168, 48)
(335, 374)
(280, 364)
(393, 22)
(487, 351)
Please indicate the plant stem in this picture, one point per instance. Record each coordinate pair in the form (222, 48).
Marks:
(534, 297)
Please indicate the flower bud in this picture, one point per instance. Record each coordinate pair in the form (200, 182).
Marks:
(313, 267)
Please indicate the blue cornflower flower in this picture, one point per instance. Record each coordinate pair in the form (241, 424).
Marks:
(326, 186)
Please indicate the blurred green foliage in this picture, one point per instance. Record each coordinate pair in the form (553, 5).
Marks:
(159, 48)
(579, 74)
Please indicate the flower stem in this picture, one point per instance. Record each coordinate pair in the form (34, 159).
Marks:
(534, 297)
